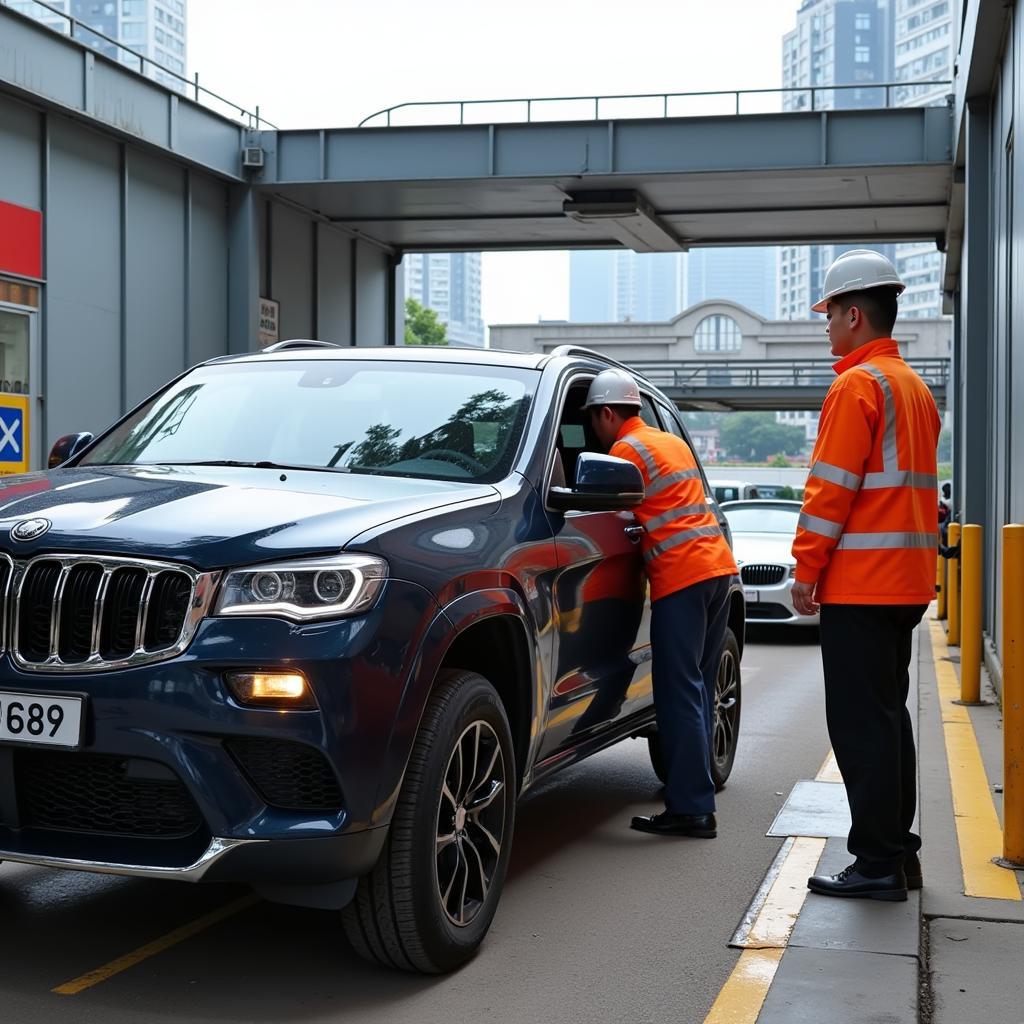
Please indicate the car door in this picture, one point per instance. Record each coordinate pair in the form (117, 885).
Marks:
(601, 655)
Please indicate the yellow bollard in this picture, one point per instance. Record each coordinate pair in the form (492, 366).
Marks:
(970, 613)
(940, 587)
(953, 589)
(1012, 656)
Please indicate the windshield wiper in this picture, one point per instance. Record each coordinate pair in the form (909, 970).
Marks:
(253, 465)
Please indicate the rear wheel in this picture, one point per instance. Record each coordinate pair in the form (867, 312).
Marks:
(430, 900)
(726, 726)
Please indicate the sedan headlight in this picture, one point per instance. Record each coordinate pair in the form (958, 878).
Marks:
(317, 588)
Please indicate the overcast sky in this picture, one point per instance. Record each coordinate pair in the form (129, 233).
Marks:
(329, 63)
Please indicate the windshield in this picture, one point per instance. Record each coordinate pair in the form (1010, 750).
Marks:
(442, 421)
(762, 519)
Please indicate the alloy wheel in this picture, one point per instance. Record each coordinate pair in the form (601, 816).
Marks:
(726, 707)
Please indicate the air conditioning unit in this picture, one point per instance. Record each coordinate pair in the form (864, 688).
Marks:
(252, 156)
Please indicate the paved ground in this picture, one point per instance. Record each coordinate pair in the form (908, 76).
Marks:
(597, 923)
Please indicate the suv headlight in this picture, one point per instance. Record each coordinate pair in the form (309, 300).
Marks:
(315, 588)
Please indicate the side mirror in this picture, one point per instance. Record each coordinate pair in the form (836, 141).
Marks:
(67, 447)
(603, 484)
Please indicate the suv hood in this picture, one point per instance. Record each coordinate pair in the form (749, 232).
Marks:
(774, 548)
(213, 517)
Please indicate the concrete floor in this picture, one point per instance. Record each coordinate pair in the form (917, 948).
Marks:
(597, 923)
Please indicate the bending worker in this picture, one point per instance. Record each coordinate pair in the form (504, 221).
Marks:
(865, 551)
(688, 563)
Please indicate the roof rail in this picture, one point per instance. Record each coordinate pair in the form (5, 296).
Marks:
(284, 346)
(581, 350)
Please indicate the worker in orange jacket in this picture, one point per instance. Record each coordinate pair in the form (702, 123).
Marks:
(688, 564)
(865, 553)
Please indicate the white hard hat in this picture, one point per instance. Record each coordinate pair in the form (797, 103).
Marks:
(613, 387)
(854, 271)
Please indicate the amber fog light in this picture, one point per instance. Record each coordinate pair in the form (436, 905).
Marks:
(271, 689)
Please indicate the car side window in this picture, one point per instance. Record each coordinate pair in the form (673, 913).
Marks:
(573, 435)
(647, 413)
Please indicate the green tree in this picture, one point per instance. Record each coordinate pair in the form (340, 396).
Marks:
(422, 326)
(780, 462)
(756, 436)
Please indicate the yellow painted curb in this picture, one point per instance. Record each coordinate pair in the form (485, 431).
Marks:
(978, 831)
(743, 995)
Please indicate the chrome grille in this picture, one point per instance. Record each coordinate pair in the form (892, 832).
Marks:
(88, 613)
(760, 574)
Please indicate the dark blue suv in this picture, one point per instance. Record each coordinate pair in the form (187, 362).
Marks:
(313, 618)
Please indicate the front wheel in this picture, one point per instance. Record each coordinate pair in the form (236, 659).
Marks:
(431, 897)
(726, 725)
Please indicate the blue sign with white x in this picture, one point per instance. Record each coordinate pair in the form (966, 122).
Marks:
(12, 440)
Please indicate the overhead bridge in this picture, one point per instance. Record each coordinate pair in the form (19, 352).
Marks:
(765, 384)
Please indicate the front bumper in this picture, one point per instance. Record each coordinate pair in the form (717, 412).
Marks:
(166, 784)
(773, 605)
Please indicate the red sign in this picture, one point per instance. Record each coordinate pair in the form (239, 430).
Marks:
(21, 240)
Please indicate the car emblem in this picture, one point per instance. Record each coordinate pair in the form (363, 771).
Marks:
(29, 529)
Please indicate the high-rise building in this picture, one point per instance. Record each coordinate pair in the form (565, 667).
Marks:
(610, 286)
(151, 28)
(449, 284)
(925, 47)
(835, 42)
(747, 275)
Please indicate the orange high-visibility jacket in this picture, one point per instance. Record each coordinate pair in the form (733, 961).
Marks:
(867, 530)
(682, 542)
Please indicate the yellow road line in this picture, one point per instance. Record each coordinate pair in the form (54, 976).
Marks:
(774, 924)
(743, 995)
(122, 963)
(829, 771)
(977, 826)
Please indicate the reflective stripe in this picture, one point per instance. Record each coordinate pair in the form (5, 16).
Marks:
(890, 459)
(868, 541)
(672, 478)
(683, 537)
(835, 475)
(675, 513)
(900, 478)
(641, 450)
(824, 527)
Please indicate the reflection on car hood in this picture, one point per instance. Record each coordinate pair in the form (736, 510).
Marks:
(212, 517)
(774, 548)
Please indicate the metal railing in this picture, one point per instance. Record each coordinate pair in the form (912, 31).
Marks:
(82, 32)
(767, 373)
(530, 105)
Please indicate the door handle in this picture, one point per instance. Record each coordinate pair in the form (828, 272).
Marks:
(634, 533)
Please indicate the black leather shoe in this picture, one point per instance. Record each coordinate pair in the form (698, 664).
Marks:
(850, 882)
(912, 869)
(697, 826)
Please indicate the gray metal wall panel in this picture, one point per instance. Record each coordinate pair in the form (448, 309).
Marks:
(366, 155)
(1016, 356)
(299, 158)
(211, 140)
(53, 70)
(83, 241)
(208, 271)
(155, 269)
(292, 270)
(552, 149)
(19, 154)
(334, 281)
(131, 103)
(371, 295)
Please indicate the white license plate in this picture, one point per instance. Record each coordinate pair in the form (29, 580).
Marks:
(41, 719)
(752, 595)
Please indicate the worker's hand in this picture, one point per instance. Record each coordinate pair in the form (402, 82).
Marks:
(804, 598)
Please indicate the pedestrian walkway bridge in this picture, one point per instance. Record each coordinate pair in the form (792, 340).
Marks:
(769, 384)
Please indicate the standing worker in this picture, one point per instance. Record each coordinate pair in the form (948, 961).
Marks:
(688, 562)
(865, 550)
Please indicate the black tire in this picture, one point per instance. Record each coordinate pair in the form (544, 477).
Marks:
(726, 728)
(398, 916)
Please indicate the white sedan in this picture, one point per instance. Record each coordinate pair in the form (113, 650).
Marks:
(762, 536)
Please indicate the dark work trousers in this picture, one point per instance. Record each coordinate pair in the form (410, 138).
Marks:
(687, 636)
(865, 650)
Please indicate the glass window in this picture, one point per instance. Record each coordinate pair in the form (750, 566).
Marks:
(862, 54)
(14, 353)
(763, 518)
(391, 418)
(862, 21)
(717, 334)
